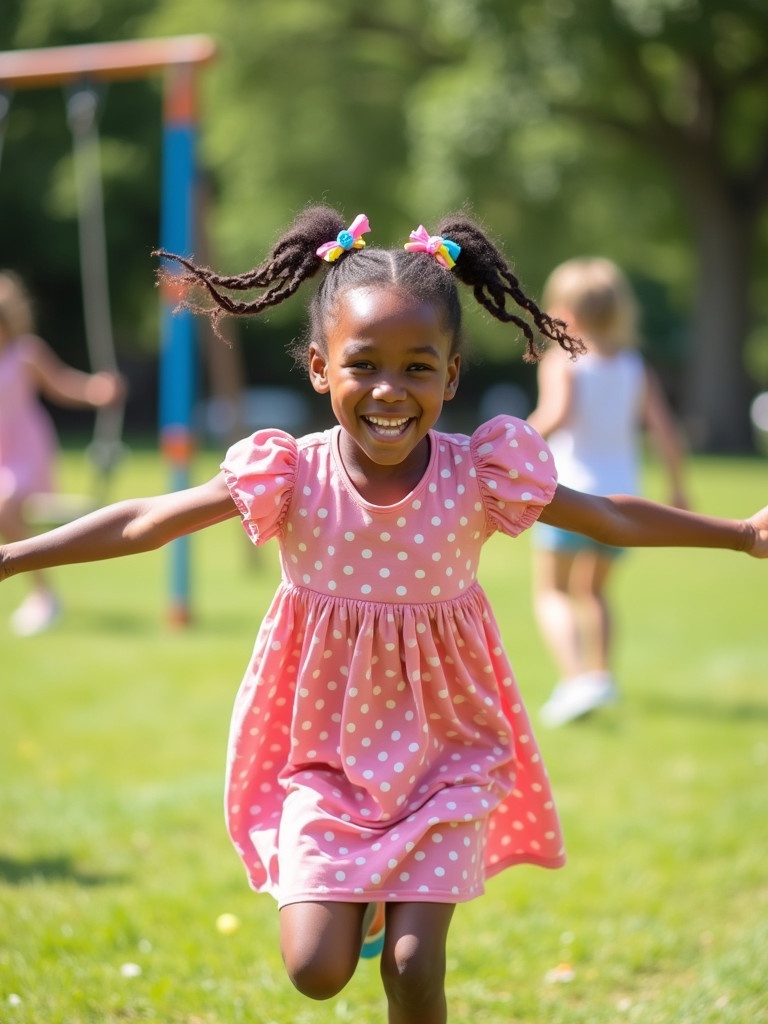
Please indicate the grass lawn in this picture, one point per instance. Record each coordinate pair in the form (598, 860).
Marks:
(115, 865)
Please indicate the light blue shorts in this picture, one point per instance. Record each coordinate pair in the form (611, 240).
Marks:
(551, 538)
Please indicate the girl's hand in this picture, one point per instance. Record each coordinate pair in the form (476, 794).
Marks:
(104, 389)
(759, 523)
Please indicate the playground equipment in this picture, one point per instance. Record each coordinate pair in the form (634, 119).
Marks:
(81, 69)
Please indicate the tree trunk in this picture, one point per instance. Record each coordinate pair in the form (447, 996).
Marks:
(717, 388)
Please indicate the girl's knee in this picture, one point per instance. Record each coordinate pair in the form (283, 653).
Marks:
(320, 945)
(412, 974)
(319, 977)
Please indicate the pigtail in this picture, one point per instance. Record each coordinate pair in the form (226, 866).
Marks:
(486, 271)
(292, 261)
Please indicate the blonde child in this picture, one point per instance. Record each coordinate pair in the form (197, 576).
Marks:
(592, 412)
(28, 444)
(380, 752)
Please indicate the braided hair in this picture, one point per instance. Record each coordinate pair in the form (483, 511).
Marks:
(293, 260)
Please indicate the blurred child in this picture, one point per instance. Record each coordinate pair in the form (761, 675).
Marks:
(380, 751)
(592, 412)
(28, 444)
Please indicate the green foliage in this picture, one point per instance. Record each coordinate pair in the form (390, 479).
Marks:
(114, 851)
(568, 128)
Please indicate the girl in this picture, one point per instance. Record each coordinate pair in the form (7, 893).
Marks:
(28, 447)
(592, 411)
(380, 751)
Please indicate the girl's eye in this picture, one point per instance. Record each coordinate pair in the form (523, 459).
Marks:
(419, 367)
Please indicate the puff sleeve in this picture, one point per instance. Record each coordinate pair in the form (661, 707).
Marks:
(515, 472)
(260, 472)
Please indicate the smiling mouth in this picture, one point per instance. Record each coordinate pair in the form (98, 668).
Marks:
(387, 426)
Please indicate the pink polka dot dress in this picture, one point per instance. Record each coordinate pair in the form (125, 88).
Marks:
(28, 444)
(379, 748)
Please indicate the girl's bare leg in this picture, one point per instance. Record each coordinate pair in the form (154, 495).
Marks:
(556, 611)
(413, 962)
(320, 944)
(589, 581)
(12, 528)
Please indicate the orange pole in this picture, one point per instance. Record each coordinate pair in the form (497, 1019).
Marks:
(133, 58)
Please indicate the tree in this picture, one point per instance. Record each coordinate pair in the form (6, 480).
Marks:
(634, 128)
(682, 83)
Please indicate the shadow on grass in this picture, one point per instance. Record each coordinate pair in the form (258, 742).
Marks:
(202, 624)
(52, 869)
(739, 711)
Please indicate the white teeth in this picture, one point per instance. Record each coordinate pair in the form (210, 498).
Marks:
(387, 427)
(387, 424)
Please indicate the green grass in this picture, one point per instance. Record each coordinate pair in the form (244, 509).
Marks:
(113, 849)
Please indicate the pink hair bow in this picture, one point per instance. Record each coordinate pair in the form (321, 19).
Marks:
(444, 250)
(345, 240)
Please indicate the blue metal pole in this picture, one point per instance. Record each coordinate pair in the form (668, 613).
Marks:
(178, 362)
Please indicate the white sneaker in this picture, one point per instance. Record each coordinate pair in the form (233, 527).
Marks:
(577, 697)
(35, 614)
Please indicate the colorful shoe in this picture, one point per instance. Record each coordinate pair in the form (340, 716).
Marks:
(577, 697)
(36, 614)
(375, 919)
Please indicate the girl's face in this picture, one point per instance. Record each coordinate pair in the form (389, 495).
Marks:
(388, 368)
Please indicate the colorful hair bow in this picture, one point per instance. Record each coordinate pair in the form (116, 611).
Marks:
(345, 240)
(445, 251)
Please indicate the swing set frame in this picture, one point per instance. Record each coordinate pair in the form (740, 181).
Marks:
(178, 58)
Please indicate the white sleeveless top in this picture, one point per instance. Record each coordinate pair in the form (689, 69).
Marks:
(596, 449)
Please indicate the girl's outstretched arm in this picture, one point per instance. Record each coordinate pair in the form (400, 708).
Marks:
(125, 528)
(625, 521)
(63, 384)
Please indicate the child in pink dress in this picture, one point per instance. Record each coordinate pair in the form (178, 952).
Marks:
(28, 443)
(380, 752)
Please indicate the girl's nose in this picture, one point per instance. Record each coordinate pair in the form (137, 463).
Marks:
(388, 389)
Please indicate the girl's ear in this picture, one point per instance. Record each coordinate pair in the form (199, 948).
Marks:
(452, 379)
(318, 370)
